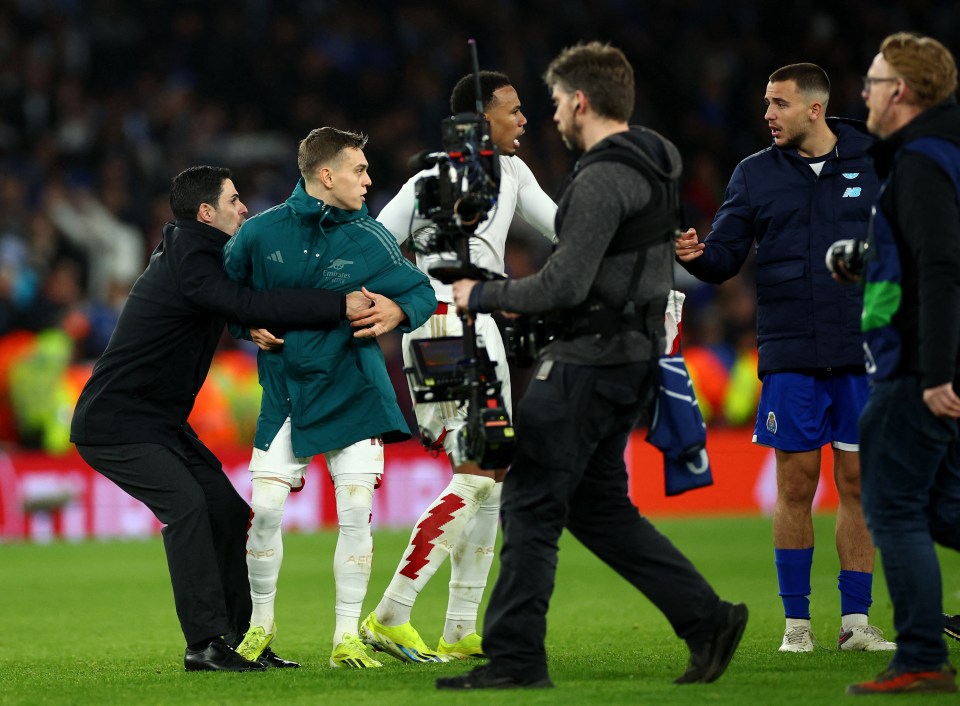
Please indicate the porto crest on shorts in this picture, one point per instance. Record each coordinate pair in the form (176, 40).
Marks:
(772, 423)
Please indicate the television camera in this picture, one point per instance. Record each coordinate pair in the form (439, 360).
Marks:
(457, 199)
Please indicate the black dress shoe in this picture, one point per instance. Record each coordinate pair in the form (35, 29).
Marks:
(482, 678)
(218, 657)
(709, 660)
(951, 626)
(270, 659)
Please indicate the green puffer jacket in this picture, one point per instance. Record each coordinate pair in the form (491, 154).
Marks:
(334, 387)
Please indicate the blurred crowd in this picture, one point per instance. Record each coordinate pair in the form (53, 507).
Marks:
(102, 102)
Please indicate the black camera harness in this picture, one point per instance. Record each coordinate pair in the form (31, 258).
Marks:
(657, 222)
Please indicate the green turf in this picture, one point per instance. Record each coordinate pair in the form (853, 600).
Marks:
(93, 623)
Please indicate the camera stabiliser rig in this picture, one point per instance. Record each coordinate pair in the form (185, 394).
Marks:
(457, 199)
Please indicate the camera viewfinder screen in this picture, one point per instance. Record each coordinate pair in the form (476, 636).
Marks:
(440, 355)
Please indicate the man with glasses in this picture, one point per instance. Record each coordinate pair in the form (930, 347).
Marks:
(813, 186)
(911, 320)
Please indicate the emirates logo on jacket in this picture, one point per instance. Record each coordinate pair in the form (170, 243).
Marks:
(334, 270)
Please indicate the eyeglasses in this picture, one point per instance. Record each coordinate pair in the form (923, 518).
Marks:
(868, 81)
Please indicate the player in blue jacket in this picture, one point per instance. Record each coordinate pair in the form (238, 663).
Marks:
(815, 185)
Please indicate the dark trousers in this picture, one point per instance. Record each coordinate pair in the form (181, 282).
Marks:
(204, 534)
(910, 479)
(568, 471)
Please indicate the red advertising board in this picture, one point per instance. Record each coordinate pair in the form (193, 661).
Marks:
(46, 497)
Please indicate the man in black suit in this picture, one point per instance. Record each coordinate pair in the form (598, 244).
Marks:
(130, 423)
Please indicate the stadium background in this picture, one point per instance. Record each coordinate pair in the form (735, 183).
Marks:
(102, 102)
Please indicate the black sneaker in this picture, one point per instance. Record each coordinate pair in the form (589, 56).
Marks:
(709, 660)
(270, 659)
(951, 626)
(218, 657)
(482, 678)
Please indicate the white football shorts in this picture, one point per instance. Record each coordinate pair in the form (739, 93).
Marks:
(363, 457)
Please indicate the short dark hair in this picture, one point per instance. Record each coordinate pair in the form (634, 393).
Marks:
(601, 71)
(195, 186)
(809, 78)
(463, 99)
(323, 145)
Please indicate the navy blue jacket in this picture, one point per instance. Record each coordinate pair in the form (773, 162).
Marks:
(913, 318)
(806, 322)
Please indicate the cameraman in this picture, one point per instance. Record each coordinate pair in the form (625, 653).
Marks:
(592, 385)
(462, 520)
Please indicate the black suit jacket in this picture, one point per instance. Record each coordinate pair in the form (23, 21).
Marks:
(144, 385)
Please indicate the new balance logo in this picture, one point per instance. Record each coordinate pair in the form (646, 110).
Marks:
(851, 192)
(275, 257)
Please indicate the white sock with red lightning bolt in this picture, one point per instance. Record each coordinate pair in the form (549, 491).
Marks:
(469, 566)
(435, 534)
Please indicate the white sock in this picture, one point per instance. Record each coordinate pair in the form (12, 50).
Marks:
(798, 623)
(437, 531)
(850, 619)
(353, 557)
(265, 548)
(470, 564)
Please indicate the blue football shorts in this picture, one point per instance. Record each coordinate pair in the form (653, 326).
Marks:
(802, 412)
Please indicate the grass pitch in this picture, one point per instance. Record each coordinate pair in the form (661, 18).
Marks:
(93, 623)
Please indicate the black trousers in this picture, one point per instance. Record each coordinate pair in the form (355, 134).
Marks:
(568, 471)
(205, 528)
(910, 470)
